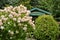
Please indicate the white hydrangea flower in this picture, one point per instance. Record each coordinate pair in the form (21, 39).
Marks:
(25, 25)
(18, 21)
(10, 37)
(24, 7)
(19, 18)
(16, 14)
(14, 9)
(8, 22)
(25, 19)
(4, 19)
(5, 9)
(28, 11)
(10, 15)
(14, 19)
(25, 28)
(2, 27)
(27, 33)
(11, 32)
(22, 20)
(1, 23)
(1, 10)
(21, 5)
(33, 25)
(19, 24)
(2, 16)
(19, 14)
(27, 14)
(17, 31)
(33, 21)
(14, 25)
(0, 20)
(11, 7)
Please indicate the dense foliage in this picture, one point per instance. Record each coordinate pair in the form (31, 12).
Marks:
(15, 23)
(4, 3)
(46, 28)
(51, 5)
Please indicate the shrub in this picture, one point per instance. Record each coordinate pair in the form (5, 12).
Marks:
(15, 23)
(46, 28)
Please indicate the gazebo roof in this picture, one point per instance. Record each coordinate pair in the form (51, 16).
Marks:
(37, 12)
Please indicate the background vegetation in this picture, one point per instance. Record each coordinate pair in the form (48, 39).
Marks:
(52, 6)
(45, 25)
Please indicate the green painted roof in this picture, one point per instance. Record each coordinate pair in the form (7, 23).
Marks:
(36, 14)
(40, 10)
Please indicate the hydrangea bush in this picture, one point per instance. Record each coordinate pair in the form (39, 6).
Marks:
(46, 28)
(15, 23)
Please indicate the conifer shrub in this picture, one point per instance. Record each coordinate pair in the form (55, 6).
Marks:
(46, 28)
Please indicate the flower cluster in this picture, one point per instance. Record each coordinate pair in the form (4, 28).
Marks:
(13, 19)
(15, 14)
